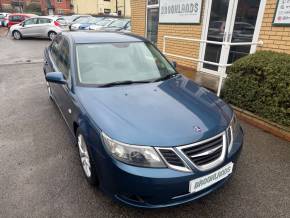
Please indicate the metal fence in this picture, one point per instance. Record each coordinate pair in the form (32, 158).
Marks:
(222, 64)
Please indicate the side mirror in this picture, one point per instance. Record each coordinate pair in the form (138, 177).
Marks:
(174, 64)
(55, 77)
(23, 24)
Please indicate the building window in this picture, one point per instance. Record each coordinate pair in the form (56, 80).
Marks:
(152, 2)
(59, 1)
(107, 11)
(60, 11)
(107, 0)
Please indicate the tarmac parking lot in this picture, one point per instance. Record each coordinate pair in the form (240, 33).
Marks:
(40, 174)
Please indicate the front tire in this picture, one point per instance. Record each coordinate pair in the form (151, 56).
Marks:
(86, 160)
(16, 35)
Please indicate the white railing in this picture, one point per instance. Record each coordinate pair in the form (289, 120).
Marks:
(220, 65)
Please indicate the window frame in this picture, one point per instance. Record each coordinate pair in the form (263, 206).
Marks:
(76, 63)
(38, 19)
(24, 22)
(56, 59)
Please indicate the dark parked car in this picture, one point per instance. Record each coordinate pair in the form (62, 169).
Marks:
(148, 136)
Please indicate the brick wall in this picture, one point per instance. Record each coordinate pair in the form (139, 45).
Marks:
(138, 14)
(180, 47)
(184, 48)
(274, 38)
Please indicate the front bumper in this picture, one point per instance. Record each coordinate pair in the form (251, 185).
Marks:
(156, 188)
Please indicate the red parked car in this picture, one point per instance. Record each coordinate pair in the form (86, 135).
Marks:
(18, 18)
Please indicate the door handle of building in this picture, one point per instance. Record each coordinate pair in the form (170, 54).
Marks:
(225, 36)
(229, 37)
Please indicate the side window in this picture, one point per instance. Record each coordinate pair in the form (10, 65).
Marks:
(60, 55)
(64, 62)
(15, 18)
(43, 20)
(30, 21)
(55, 50)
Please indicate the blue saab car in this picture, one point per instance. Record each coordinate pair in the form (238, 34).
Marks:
(147, 136)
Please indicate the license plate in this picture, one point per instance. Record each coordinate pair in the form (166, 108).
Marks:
(208, 180)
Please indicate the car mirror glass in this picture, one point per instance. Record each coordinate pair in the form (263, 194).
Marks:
(55, 77)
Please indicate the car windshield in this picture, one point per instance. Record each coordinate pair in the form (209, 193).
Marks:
(82, 20)
(94, 20)
(118, 23)
(104, 22)
(104, 63)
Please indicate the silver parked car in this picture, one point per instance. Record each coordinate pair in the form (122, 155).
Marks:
(41, 27)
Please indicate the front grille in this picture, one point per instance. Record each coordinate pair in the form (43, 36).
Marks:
(171, 157)
(205, 153)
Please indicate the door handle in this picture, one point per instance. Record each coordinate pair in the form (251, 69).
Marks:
(229, 37)
(225, 37)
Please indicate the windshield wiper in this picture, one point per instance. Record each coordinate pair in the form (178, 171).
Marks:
(168, 76)
(126, 82)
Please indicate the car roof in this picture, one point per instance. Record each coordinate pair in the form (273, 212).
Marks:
(18, 14)
(49, 17)
(90, 37)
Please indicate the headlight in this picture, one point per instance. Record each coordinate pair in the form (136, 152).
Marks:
(142, 156)
(232, 131)
(92, 27)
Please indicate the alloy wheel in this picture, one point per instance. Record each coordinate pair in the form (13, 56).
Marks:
(84, 155)
(16, 35)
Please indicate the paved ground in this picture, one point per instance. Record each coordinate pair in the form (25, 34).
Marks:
(40, 174)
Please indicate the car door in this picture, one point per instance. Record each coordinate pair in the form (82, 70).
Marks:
(43, 25)
(60, 62)
(29, 27)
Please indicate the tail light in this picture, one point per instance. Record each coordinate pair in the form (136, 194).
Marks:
(56, 23)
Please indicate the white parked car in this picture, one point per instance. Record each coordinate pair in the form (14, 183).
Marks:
(4, 19)
(40, 27)
(103, 23)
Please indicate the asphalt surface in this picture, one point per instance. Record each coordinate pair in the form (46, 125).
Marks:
(40, 174)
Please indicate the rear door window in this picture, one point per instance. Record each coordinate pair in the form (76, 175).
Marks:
(43, 21)
(15, 18)
(60, 55)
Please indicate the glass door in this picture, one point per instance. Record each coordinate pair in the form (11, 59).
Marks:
(217, 29)
(152, 20)
(244, 28)
(229, 21)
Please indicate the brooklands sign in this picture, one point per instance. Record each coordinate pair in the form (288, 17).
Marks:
(182, 11)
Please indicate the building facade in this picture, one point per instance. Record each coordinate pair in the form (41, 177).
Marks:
(209, 35)
(120, 7)
(20, 6)
(60, 7)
